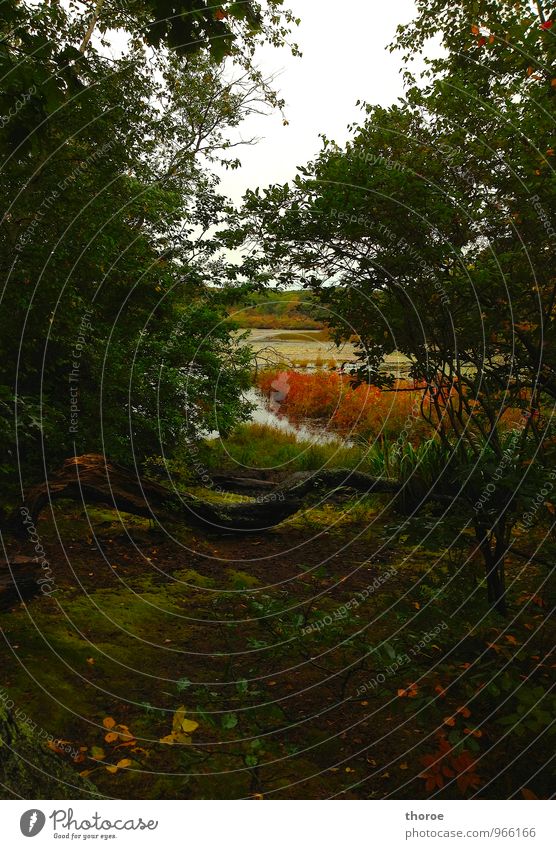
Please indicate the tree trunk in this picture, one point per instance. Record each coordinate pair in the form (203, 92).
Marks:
(493, 546)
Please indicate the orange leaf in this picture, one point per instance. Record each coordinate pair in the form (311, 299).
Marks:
(465, 712)
(475, 29)
(111, 737)
(528, 794)
(108, 722)
(449, 720)
(169, 739)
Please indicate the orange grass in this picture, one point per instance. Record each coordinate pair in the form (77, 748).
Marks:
(331, 399)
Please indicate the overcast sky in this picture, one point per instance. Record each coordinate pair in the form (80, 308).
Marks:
(344, 59)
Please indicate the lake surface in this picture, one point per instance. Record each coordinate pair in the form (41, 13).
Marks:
(308, 349)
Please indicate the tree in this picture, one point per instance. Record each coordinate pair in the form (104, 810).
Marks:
(111, 329)
(429, 233)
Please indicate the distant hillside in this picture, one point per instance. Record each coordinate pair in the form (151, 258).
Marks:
(294, 310)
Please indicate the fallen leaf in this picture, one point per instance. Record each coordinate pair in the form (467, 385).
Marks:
(528, 794)
(189, 725)
(181, 723)
(169, 739)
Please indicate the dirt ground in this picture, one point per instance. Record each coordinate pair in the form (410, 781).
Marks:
(325, 658)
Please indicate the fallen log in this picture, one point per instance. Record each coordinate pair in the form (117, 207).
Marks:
(242, 485)
(93, 479)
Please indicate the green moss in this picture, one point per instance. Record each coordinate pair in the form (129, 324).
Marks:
(242, 580)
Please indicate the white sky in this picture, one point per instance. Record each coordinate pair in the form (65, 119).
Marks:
(344, 59)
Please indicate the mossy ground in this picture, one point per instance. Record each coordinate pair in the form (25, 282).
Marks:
(144, 621)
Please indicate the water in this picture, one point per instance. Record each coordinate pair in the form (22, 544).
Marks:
(265, 414)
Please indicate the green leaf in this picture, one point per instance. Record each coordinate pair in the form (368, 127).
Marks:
(229, 720)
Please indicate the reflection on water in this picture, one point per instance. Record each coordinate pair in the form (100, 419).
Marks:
(264, 414)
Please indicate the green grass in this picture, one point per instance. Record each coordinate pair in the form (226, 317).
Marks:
(258, 447)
